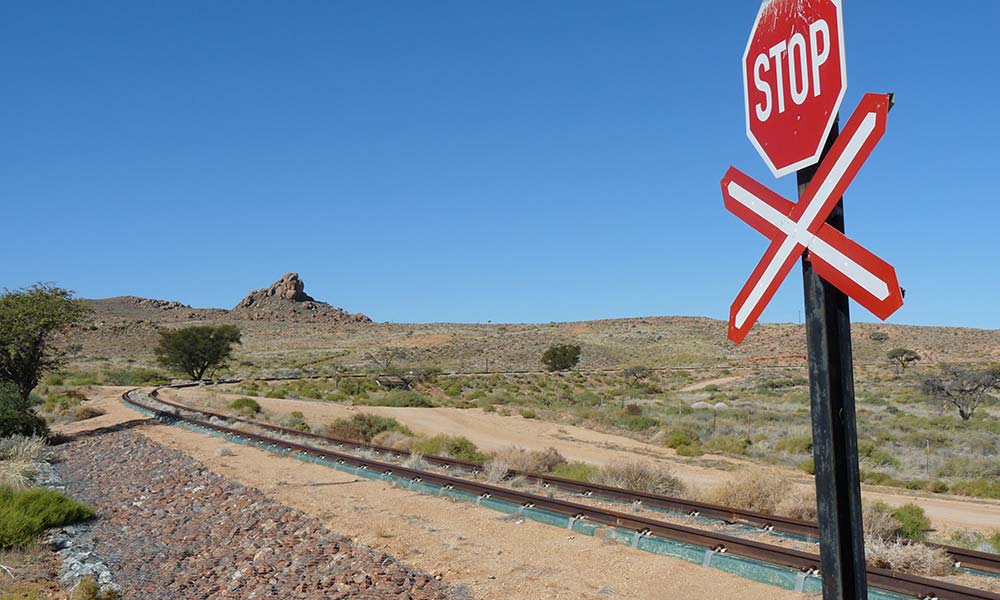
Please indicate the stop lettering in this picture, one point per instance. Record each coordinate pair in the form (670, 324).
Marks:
(794, 78)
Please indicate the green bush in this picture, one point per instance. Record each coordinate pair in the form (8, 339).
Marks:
(808, 465)
(979, 488)
(25, 514)
(967, 467)
(577, 471)
(135, 376)
(867, 450)
(937, 487)
(15, 420)
(689, 450)
(913, 522)
(528, 414)
(297, 421)
(247, 407)
(587, 398)
(730, 444)
(457, 447)
(363, 427)
(794, 445)
(399, 399)
(636, 422)
(681, 436)
(561, 357)
(995, 541)
(88, 589)
(454, 390)
(879, 478)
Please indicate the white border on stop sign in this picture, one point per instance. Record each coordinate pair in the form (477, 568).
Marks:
(833, 114)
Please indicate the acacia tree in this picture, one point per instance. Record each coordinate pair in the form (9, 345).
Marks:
(29, 319)
(964, 388)
(195, 350)
(903, 357)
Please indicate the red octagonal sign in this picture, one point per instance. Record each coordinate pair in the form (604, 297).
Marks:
(794, 78)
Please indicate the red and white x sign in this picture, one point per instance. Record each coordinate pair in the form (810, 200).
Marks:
(794, 228)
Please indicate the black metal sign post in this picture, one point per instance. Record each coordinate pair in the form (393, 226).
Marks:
(834, 428)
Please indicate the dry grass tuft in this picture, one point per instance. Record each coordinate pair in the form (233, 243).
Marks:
(798, 504)
(21, 448)
(530, 461)
(758, 490)
(642, 477)
(16, 474)
(496, 470)
(394, 439)
(416, 461)
(907, 557)
(879, 522)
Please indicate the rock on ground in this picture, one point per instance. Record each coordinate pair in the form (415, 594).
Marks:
(171, 529)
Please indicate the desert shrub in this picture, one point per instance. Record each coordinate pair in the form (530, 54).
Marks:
(902, 556)
(530, 461)
(454, 390)
(879, 478)
(17, 474)
(798, 504)
(247, 407)
(560, 357)
(869, 452)
(577, 471)
(995, 541)
(79, 377)
(197, 349)
(878, 336)
(636, 422)
(689, 451)
(275, 392)
(979, 488)
(879, 521)
(587, 398)
(528, 413)
(88, 589)
(808, 465)
(135, 376)
(86, 412)
(684, 440)
(364, 427)
(61, 404)
(730, 444)
(394, 438)
(400, 399)
(297, 421)
(801, 444)
(757, 490)
(633, 409)
(913, 522)
(641, 477)
(449, 446)
(25, 514)
(937, 487)
(967, 467)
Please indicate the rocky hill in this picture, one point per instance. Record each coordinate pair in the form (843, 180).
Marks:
(286, 300)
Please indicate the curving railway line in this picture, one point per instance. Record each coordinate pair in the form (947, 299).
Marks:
(713, 542)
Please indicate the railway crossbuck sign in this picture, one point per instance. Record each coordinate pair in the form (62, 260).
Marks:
(794, 228)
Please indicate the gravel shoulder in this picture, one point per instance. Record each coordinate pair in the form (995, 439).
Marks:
(491, 555)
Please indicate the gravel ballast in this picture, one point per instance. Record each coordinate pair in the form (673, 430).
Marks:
(170, 528)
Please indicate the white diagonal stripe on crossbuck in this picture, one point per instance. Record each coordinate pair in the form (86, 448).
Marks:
(797, 232)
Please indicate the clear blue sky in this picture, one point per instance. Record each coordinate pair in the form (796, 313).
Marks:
(469, 161)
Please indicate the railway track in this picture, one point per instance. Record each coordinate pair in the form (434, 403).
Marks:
(971, 559)
(641, 526)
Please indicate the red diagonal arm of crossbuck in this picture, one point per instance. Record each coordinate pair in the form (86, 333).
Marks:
(794, 228)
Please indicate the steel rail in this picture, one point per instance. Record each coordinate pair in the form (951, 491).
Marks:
(918, 587)
(974, 559)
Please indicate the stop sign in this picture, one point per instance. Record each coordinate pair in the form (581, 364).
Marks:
(794, 78)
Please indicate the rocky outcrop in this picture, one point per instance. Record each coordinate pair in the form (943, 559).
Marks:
(286, 300)
(289, 287)
(149, 303)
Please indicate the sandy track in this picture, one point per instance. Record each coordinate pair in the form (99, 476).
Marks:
(491, 431)
(495, 556)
